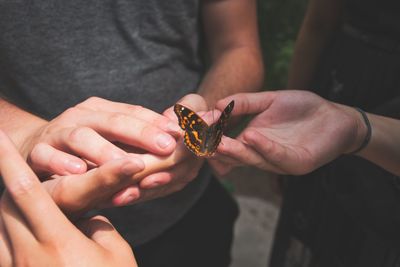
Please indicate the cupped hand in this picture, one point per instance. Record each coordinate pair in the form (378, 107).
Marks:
(166, 175)
(292, 132)
(89, 132)
(34, 231)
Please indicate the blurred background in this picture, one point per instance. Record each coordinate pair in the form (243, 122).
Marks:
(257, 192)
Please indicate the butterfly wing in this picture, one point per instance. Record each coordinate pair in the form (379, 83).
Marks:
(195, 128)
(223, 119)
(200, 138)
(215, 132)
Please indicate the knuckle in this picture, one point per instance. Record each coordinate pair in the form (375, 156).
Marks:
(116, 119)
(70, 112)
(78, 134)
(22, 186)
(91, 100)
(106, 180)
(37, 152)
(137, 108)
(146, 130)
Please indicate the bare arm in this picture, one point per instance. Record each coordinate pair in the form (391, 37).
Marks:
(233, 44)
(295, 132)
(321, 21)
(18, 124)
(384, 147)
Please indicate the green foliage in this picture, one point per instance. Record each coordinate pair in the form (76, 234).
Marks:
(279, 22)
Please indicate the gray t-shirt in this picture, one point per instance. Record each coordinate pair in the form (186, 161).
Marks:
(55, 54)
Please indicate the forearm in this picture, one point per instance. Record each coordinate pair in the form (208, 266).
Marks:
(320, 23)
(231, 34)
(17, 123)
(384, 146)
(307, 52)
(236, 70)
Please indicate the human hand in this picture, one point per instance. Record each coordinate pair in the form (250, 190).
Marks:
(293, 132)
(99, 187)
(34, 232)
(177, 169)
(116, 183)
(88, 133)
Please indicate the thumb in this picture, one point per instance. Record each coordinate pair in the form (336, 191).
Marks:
(102, 232)
(248, 103)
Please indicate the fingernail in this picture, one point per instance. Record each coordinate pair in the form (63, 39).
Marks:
(130, 198)
(154, 185)
(75, 166)
(173, 127)
(164, 140)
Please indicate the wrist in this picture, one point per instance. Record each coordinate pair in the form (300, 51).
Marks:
(26, 135)
(363, 131)
(19, 125)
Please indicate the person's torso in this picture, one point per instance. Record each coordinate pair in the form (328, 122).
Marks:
(54, 54)
(376, 16)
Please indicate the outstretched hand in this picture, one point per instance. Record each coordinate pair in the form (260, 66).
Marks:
(34, 231)
(292, 132)
(90, 132)
(177, 169)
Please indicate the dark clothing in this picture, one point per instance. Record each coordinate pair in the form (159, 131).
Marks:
(211, 219)
(376, 17)
(347, 213)
(55, 54)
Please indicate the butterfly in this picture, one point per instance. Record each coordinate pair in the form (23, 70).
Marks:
(200, 138)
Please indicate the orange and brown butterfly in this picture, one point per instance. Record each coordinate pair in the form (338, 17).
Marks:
(200, 138)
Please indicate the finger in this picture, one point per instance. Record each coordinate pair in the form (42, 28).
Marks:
(277, 157)
(162, 191)
(136, 193)
(183, 172)
(45, 158)
(211, 116)
(194, 101)
(17, 230)
(125, 197)
(220, 168)
(36, 205)
(80, 193)
(88, 144)
(176, 177)
(243, 153)
(248, 103)
(101, 231)
(5, 246)
(132, 131)
(135, 111)
(208, 116)
(154, 164)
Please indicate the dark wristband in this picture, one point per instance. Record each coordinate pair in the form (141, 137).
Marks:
(369, 131)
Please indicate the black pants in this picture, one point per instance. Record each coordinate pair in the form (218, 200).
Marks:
(201, 238)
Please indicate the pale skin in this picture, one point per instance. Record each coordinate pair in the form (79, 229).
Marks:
(35, 232)
(81, 139)
(65, 145)
(295, 132)
(124, 180)
(322, 19)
